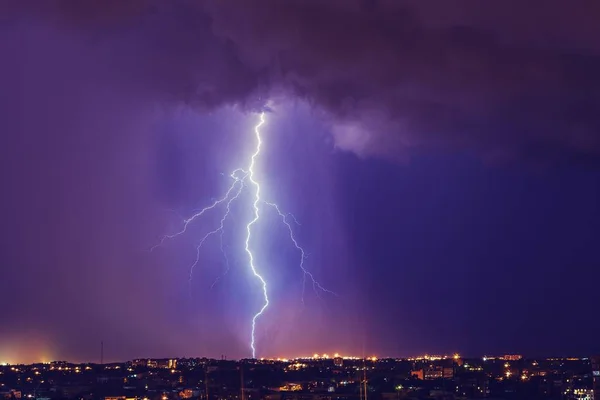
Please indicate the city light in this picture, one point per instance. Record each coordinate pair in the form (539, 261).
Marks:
(305, 375)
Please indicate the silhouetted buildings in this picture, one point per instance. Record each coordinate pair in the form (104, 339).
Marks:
(311, 378)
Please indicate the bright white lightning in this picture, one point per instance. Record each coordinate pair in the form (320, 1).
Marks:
(239, 177)
(248, 231)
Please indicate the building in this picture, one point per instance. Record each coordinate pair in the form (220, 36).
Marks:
(512, 357)
(596, 377)
(583, 394)
(119, 398)
(435, 372)
(139, 362)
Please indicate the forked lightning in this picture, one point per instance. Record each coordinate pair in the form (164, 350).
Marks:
(246, 179)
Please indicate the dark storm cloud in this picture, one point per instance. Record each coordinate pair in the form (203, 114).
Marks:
(505, 80)
(392, 82)
(164, 51)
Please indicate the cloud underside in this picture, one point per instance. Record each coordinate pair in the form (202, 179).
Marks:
(387, 78)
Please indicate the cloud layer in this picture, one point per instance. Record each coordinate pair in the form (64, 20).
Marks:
(504, 81)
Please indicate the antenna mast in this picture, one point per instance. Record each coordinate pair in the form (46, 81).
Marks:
(242, 380)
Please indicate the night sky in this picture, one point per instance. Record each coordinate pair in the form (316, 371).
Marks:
(442, 159)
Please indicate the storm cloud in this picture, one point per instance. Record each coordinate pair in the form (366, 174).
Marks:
(390, 77)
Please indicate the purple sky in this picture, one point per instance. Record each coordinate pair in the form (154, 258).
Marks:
(441, 158)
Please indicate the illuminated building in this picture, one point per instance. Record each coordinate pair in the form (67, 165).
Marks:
(583, 394)
(338, 361)
(119, 398)
(458, 361)
(139, 363)
(417, 374)
(433, 373)
(290, 387)
(512, 357)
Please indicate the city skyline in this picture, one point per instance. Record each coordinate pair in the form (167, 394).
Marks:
(510, 376)
(150, 361)
(511, 357)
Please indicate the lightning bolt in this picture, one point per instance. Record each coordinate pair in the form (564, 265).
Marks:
(249, 233)
(216, 203)
(240, 184)
(245, 178)
(315, 284)
(226, 261)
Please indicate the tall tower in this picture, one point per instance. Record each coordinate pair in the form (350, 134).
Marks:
(242, 380)
(596, 376)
